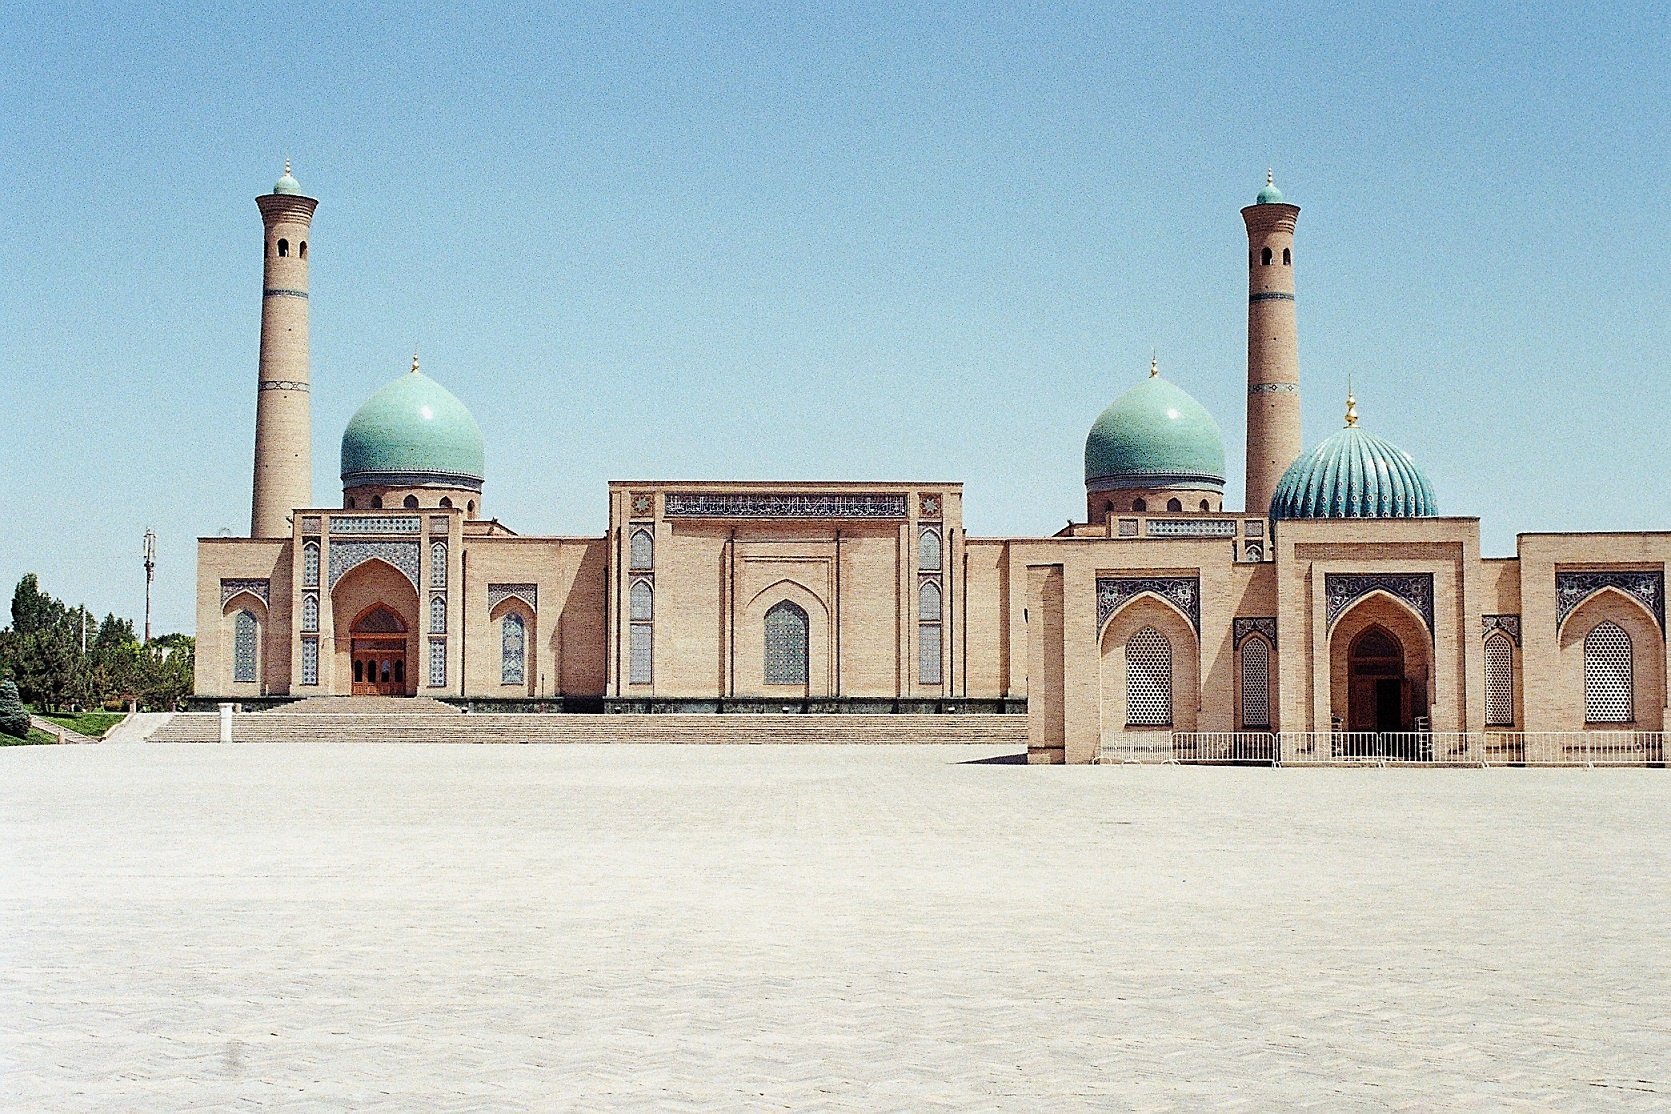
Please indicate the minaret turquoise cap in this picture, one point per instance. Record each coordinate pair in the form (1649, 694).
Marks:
(287, 184)
(1270, 195)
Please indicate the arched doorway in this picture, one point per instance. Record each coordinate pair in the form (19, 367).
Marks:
(1378, 693)
(379, 653)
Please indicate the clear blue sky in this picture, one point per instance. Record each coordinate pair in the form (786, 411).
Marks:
(834, 242)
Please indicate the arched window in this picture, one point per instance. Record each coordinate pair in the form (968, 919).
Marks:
(1287, 257)
(929, 642)
(245, 635)
(1499, 681)
(1256, 683)
(641, 550)
(347, 502)
(1174, 505)
(447, 501)
(470, 508)
(438, 564)
(310, 612)
(1148, 679)
(1265, 257)
(1609, 678)
(284, 248)
(410, 502)
(641, 610)
(310, 564)
(786, 644)
(930, 551)
(513, 641)
(1139, 505)
(438, 615)
(303, 250)
(1204, 505)
(376, 502)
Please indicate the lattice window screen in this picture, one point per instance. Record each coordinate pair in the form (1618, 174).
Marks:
(786, 645)
(310, 612)
(641, 551)
(438, 565)
(641, 602)
(640, 654)
(1607, 675)
(1148, 679)
(1256, 683)
(1499, 681)
(245, 634)
(310, 661)
(310, 564)
(928, 653)
(930, 551)
(513, 640)
(437, 663)
(438, 615)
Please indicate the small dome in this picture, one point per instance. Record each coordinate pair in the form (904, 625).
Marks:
(412, 432)
(1354, 474)
(1270, 195)
(287, 184)
(1155, 435)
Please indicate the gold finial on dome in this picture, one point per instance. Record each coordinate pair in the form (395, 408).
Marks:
(1270, 176)
(1351, 407)
(414, 361)
(287, 164)
(1154, 364)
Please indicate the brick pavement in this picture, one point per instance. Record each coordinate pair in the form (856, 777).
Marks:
(591, 927)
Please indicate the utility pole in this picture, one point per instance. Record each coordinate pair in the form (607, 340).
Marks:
(150, 575)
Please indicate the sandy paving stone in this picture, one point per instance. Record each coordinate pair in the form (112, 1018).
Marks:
(592, 927)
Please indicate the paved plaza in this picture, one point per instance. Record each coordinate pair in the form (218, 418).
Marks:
(419, 927)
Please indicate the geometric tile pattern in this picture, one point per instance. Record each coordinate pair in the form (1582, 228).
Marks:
(1113, 592)
(1341, 590)
(1573, 588)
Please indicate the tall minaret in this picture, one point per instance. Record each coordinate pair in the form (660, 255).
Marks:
(1273, 346)
(283, 428)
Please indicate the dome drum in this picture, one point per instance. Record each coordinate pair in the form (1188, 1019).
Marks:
(449, 481)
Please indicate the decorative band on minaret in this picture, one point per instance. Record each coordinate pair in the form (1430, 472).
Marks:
(283, 426)
(1273, 346)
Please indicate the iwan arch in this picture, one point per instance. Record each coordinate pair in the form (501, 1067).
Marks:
(1339, 604)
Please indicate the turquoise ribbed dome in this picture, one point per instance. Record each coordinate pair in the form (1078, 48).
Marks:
(413, 431)
(1155, 435)
(1354, 474)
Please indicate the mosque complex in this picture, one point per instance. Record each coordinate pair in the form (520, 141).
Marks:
(1338, 602)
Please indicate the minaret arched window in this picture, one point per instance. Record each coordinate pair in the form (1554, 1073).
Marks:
(376, 502)
(284, 248)
(1265, 257)
(1609, 676)
(1174, 505)
(1287, 256)
(303, 250)
(410, 502)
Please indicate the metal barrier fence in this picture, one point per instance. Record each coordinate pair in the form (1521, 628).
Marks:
(1387, 748)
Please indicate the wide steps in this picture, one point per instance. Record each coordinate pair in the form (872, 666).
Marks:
(499, 727)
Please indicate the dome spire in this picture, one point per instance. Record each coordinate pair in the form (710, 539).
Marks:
(1154, 363)
(1270, 195)
(1351, 406)
(414, 361)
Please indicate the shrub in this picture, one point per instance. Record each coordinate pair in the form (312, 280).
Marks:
(14, 721)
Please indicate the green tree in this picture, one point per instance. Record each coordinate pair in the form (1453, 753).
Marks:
(14, 721)
(33, 609)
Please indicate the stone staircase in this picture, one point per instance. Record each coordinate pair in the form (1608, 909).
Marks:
(289, 725)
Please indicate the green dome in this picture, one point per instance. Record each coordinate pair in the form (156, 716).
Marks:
(412, 432)
(287, 184)
(1155, 435)
(1270, 195)
(1354, 474)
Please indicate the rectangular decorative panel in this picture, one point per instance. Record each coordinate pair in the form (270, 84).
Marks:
(638, 654)
(928, 653)
(437, 662)
(374, 524)
(751, 505)
(310, 661)
(346, 555)
(1192, 528)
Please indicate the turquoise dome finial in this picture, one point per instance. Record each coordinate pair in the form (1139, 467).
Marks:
(411, 433)
(1155, 435)
(1354, 474)
(287, 184)
(1270, 195)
